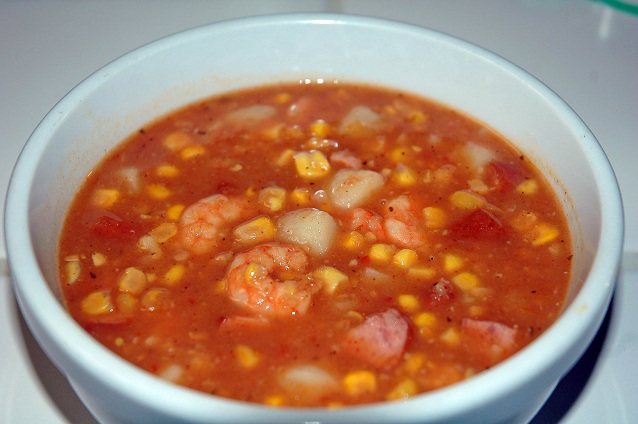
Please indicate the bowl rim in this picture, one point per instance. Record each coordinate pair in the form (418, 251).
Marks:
(50, 321)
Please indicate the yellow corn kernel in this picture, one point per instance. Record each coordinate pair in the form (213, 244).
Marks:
(154, 299)
(274, 401)
(126, 303)
(73, 270)
(119, 342)
(353, 240)
(177, 141)
(283, 98)
(528, 187)
(399, 154)
(98, 302)
(404, 176)
(476, 310)
(320, 128)
(132, 280)
(405, 258)
(381, 252)
(273, 132)
(417, 116)
(168, 171)
(357, 383)
(247, 356)
(408, 302)
(467, 200)
(272, 198)
(425, 322)
(105, 197)
(174, 274)
(236, 167)
(330, 277)
(285, 157)
(421, 273)
(404, 389)
(413, 362)
(190, 152)
(544, 233)
(98, 258)
(164, 232)
(451, 336)
(300, 197)
(175, 212)
(311, 164)
(478, 186)
(257, 230)
(452, 263)
(434, 217)
(466, 280)
(158, 191)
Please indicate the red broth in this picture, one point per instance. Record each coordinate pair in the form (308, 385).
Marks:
(315, 245)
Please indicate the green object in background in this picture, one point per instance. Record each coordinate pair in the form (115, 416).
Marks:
(625, 6)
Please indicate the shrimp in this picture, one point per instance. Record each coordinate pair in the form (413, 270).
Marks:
(368, 223)
(401, 223)
(270, 280)
(203, 224)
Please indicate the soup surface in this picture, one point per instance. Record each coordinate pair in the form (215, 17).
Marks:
(315, 245)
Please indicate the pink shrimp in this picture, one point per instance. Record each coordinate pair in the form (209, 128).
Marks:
(270, 280)
(368, 223)
(203, 224)
(346, 158)
(401, 223)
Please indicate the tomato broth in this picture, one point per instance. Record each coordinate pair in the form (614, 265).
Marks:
(315, 245)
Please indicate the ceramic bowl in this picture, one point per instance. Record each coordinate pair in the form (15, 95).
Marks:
(164, 75)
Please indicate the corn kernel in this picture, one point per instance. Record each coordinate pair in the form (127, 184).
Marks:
(399, 154)
(434, 217)
(330, 277)
(417, 116)
(408, 302)
(191, 152)
(72, 269)
(451, 336)
(257, 230)
(272, 198)
(381, 252)
(424, 320)
(98, 258)
(421, 273)
(119, 342)
(467, 200)
(274, 401)
(167, 171)
(132, 280)
(273, 132)
(320, 128)
(452, 263)
(126, 303)
(405, 258)
(175, 212)
(247, 357)
(544, 233)
(98, 302)
(312, 164)
(283, 98)
(357, 383)
(300, 197)
(158, 191)
(285, 157)
(404, 389)
(478, 186)
(174, 274)
(466, 280)
(155, 299)
(177, 141)
(413, 362)
(476, 310)
(404, 176)
(353, 240)
(527, 187)
(105, 197)
(164, 232)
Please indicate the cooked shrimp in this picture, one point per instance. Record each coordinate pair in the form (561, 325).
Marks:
(401, 223)
(270, 280)
(346, 158)
(368, 223)
(204, 223)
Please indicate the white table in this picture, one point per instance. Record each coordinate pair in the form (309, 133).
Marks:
(586, 51)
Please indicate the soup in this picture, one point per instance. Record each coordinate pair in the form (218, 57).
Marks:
(316, 245)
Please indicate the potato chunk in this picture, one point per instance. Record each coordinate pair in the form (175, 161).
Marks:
(312, 229)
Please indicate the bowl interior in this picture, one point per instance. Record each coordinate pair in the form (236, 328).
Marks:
(161, 77)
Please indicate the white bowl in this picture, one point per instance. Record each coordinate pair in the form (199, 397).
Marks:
(174, 71)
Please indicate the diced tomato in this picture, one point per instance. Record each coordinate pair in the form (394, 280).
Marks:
(379, 340)
(505, 175)
(480, 224)
(107, 226)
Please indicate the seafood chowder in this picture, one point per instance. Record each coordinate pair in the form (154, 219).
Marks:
(316, 245)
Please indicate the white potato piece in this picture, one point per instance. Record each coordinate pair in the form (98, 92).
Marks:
(308, 382)
(478, 155)
(352, 188)
(312, 229)
(362, 115)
